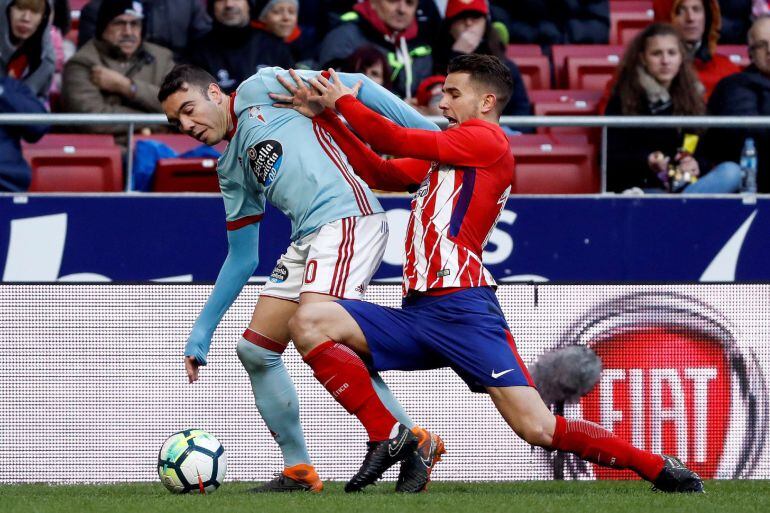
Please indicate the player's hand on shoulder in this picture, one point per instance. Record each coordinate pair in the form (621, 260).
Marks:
(330, 88)
(300, 97)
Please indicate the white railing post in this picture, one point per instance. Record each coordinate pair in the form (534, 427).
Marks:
(603, 161)
(130, 159)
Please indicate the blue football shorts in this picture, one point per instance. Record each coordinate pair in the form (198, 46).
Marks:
(465, 330)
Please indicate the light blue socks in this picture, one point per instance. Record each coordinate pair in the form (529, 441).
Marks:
(276, 400)
(278, 404)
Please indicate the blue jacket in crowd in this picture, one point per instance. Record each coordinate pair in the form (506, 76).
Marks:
(15, 97)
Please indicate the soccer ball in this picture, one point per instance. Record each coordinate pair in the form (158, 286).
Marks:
(192, 461)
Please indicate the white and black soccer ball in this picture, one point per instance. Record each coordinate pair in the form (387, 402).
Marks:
(192, 461)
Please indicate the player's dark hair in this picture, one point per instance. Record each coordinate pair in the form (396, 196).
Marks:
(182, 77)
(487, 70)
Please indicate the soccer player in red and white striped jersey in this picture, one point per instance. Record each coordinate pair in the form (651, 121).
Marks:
(450, 315)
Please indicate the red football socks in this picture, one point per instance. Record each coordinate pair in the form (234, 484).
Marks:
(342, 372)
(595, 444)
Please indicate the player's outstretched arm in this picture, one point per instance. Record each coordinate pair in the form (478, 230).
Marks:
(371, 94)
(242, 259)
(470, 145)
(385, 103)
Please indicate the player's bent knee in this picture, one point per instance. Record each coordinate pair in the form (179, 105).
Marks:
(255, 358)
(305, 326)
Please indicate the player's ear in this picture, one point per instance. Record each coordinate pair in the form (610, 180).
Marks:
(488, 103)
(215, 93)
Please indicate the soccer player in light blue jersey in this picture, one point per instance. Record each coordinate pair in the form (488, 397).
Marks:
(339, 233)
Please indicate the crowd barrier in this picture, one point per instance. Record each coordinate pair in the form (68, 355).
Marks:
(131, 121)
(93, 382)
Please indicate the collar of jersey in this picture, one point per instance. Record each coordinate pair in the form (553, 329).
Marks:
(233, 118)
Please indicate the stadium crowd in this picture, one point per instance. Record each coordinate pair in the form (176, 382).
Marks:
(110, 56)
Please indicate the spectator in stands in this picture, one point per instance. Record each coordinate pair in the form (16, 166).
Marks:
(26, 52)
(234, 50)
(699, 22)
(170, 23)
(745, 94)
(117, 72)
(656, 79)
(549, 22)
(429, 14)
(429, 95)
(16, 98)
(468, 29)
(390, 26)
(371, 62)
(63, 48)
(279, 18)
(736, 20)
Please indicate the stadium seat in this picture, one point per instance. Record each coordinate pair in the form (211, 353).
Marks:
(72, 141)
(513, 51)
(591, 72)
(554, 169)
(565, 95)
(186, 175)
(180, 143)
(535, 71)
(569, 107)
(738, 54)
(552, 139)
(87, 169)
(600, 58)
(624, 25)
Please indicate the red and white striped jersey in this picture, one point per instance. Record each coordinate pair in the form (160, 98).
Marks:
(453, 214)
(460, 178)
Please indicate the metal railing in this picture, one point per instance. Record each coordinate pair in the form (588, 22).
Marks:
(603, 122)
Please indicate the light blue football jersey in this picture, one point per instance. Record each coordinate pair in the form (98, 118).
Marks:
(280, 156)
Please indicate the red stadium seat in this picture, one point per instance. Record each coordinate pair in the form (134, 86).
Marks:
(591, 72)
(569, 108)
(186, 175)
(624, 25)
(73, 141)
(513, 51)
(554, 169)
(609, 53)
(180, 143)
(535, 71)
(552, 139)
(565, 95)
(738, 54)
(75, 170)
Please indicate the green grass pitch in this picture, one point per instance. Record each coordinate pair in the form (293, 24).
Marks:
(518, 497)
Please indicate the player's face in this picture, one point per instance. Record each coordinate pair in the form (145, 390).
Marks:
(462, 100)
(202, 117)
